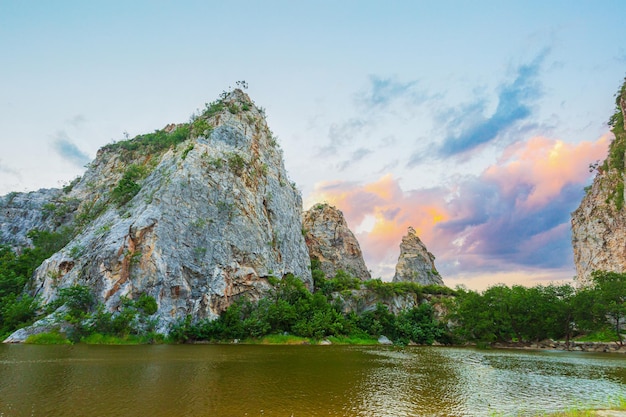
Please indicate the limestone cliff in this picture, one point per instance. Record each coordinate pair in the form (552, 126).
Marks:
(416, 263)
(46, 209)
(599, 223)
(330, 240)
(194, 215)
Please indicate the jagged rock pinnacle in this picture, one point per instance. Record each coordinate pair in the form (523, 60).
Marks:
(416, 263)
(332, 243)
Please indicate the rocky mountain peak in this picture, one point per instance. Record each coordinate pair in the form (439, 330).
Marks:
(416, 263)
(196, 215)
(332, 243)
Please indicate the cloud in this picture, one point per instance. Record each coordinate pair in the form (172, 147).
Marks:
(6, 170)
(380, 99)
(383, 91)
(515, 101)
(344, 133)
(64, 146)
(514, 216)
(356, 156)
(77, 121)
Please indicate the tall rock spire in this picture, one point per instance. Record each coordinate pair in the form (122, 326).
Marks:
(416, 263)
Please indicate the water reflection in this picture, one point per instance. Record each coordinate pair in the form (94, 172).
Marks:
(299, 380)
(411, 382)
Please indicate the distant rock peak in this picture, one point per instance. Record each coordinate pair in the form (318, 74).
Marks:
(416, 263)
(332, 243)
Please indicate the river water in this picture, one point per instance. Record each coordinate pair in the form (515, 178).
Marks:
(250, 380)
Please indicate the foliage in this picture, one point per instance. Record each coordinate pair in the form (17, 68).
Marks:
(150, 143)
(290, 309)
(17, 308)
(188, 149)
(49, 338)
(236, 163)
(611, 290)
(90, 211)
(16, 311)
(131, 339)
(128, 187)
(78, 298)
(418, 325)
(201, 127)
(233, 108)
(386, 290)
(91, 322)
(211, 109)
(146, 304)
(505, 314)
(341, 282)
(614, 163)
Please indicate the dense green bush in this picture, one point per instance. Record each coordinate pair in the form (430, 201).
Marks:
(17, 308)
(505, 314)
(341, 282)
(150, 143)
(290, 308)
(128, 187)
(86, 318)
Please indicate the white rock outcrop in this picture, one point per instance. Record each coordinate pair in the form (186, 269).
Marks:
(416, 263)
(599, 223)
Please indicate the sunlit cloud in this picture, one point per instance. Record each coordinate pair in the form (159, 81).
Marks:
(543, 167)
(514, 216)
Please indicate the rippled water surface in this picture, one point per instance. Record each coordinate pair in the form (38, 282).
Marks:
(240, 380)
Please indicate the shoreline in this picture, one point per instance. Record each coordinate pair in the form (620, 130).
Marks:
(574, 346)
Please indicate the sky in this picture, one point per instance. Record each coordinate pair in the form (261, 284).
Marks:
(473, 122)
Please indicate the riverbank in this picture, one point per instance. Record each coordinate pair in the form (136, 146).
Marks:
(56, 338)
(573, 346)
(619, 411)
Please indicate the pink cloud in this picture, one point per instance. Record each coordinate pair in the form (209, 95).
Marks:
(546, 165)
(514, 216)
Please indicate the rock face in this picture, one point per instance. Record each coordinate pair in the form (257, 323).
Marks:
(415, 263)
(598, 232)
(22, 212)
(332, 243)
(195, 223)
(599, 223)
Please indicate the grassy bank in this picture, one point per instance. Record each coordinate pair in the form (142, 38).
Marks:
(618, 410)
(57, 338)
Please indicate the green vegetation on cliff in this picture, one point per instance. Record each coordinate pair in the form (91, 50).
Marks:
(498, 314)
(291, 309)
(613, 165)
(615, 160)
(17, 307)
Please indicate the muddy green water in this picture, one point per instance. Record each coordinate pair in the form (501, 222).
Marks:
(239, 380)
